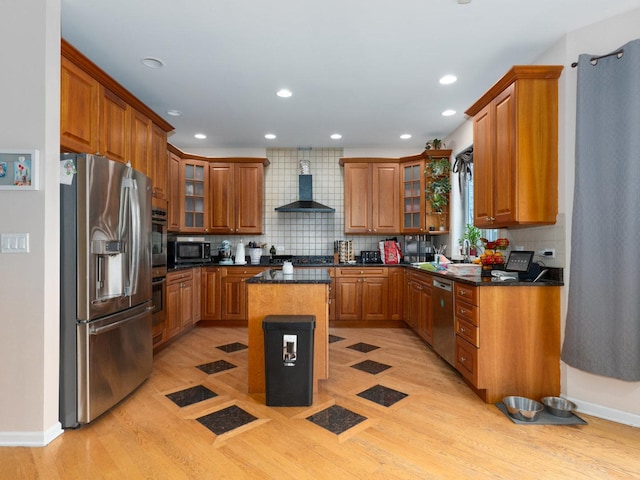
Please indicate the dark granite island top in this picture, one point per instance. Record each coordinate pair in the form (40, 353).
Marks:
(299, 276)
(272, 292)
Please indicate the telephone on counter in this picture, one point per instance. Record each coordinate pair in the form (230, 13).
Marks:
(504, 276)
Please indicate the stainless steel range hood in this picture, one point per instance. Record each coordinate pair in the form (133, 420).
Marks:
(305, 201)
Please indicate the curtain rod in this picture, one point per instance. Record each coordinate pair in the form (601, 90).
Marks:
(594, 60)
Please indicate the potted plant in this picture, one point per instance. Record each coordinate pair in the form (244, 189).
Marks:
(435, 144)
(437, 167)
(437, 193)
(472, 234)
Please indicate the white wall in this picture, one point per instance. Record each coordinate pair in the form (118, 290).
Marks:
(29, 325)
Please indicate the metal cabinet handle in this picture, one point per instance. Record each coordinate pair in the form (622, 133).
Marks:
(463, 359)
(462, 329)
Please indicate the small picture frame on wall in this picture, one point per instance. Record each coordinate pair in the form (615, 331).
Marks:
(18, 169)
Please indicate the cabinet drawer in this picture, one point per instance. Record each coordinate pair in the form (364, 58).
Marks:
(466, 293)
(241, 272)
(180, 276)
(362, 272)
(467, 360)
(468, 331)
(467, 312)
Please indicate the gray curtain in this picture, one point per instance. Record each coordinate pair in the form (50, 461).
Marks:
(602, 333)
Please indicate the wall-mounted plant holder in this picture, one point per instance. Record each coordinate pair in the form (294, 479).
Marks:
(18, 169)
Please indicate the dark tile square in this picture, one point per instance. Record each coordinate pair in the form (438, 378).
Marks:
(191, 395)
(362, 347)
(336, 419)
(382, 395)
(335, 338)
(233, 347)
(215, 367)
(371, 367)
(226, 419)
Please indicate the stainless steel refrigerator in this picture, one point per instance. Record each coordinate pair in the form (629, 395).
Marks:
(105, 310)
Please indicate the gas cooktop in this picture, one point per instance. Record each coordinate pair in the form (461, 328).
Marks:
(301, 259)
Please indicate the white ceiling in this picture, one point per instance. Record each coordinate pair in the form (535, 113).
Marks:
(367, 69)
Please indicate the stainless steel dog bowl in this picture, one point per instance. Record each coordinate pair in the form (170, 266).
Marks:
(558, 406)
(522, 408)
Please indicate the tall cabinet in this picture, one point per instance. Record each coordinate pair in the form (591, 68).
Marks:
(515, 149)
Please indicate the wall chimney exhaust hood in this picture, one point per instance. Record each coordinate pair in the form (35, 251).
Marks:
(305, 201)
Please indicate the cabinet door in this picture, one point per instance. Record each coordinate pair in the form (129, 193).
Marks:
(357, 198)
(234, 298)
(158, 161)
(79, 104)
(413, 198)
(173, 213)
(425, 321)
(211, 308)
(194, 191)
(197, 294)
(173, 320)
(503, 174)
(249, 197)
(139, 141)
(385, 198)
(348, 298)
(186, 304)
(483, 144)
(114, 126)
(413, 304)
(221, 201)
(375, 298)
(396, 293)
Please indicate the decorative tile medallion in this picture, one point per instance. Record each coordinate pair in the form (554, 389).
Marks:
(191, 395)
(233, 347)
(371, 367)
(336, 419)
(215, 367)
(363, 347)
(226, 419)
(382, 395)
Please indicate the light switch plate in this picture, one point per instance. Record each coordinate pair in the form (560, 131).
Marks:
(14, 243)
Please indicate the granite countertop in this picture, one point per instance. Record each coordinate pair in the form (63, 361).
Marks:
(304, 275)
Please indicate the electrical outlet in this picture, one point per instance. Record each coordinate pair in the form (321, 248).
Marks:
(548, 253)
(14, 242)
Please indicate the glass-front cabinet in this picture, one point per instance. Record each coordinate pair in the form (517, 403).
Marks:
(195, 184)
(413, 199)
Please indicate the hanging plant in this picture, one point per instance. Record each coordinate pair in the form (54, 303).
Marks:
(437, 193)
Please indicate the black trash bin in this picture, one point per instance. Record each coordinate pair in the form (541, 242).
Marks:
(288, 359)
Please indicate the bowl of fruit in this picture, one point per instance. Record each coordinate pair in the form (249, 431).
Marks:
(492, 258)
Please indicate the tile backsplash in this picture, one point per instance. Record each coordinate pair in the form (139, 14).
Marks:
(308, 233)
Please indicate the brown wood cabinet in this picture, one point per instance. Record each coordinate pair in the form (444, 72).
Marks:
(158, 161)
(362, 294)
(418, 312)
(515, 158)
(180, 302)
(236, 197)
(371, 196)
(173, 191)
(193, 196)
(504, 349)
(114, 122)
(79, 109)
(396, 292)
(234, 291)
(197, 294)
(139, 141)
(211, 293)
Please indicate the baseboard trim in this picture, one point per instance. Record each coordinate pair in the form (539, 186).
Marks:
(606, 413)
(30, 439)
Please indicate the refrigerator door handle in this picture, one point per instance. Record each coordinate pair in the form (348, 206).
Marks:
(115, 325)
(131, 189)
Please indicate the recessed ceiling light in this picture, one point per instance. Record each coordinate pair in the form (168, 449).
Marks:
(336, 136)
(284, 93)
(448, 79)
(200, 136)
(174, 113)
(464, 2)
(405, 136)
(448, 113)
(152, 62)
(269, 136)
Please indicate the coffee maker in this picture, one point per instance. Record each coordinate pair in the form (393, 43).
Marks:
(417, 248)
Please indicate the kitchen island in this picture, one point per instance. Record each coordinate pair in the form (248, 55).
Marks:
(304, 292)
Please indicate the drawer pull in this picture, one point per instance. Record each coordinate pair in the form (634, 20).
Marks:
(463, 311)
(462, 293)
(463, 359)
(462, 329)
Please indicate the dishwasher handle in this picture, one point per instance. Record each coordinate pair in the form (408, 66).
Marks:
(442, 284)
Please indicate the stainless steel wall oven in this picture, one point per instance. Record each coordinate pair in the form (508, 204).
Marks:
(158, 237)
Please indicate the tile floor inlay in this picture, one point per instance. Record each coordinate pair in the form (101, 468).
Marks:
(191, 395)
(226, 419)
(336, 419)
(335, 338)
(215, 367)
(371, 367)
(232, 347)
(382, 395)
(363, 347)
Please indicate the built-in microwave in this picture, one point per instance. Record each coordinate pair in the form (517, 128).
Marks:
(184, 253)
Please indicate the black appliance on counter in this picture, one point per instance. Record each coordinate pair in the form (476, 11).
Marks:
(188, 252)
(370, 256)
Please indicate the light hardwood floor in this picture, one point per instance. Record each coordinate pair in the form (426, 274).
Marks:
(440, 430)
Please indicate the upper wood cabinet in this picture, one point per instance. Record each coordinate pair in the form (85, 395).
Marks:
(193, 196)
(236, 197)
(114, 126)
(79, 117)
(140, 141)
(173, 192)
(515, 149)
(371, 196)
(159, 161)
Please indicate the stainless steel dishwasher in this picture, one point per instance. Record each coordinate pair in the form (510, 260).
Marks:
(444, 333)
